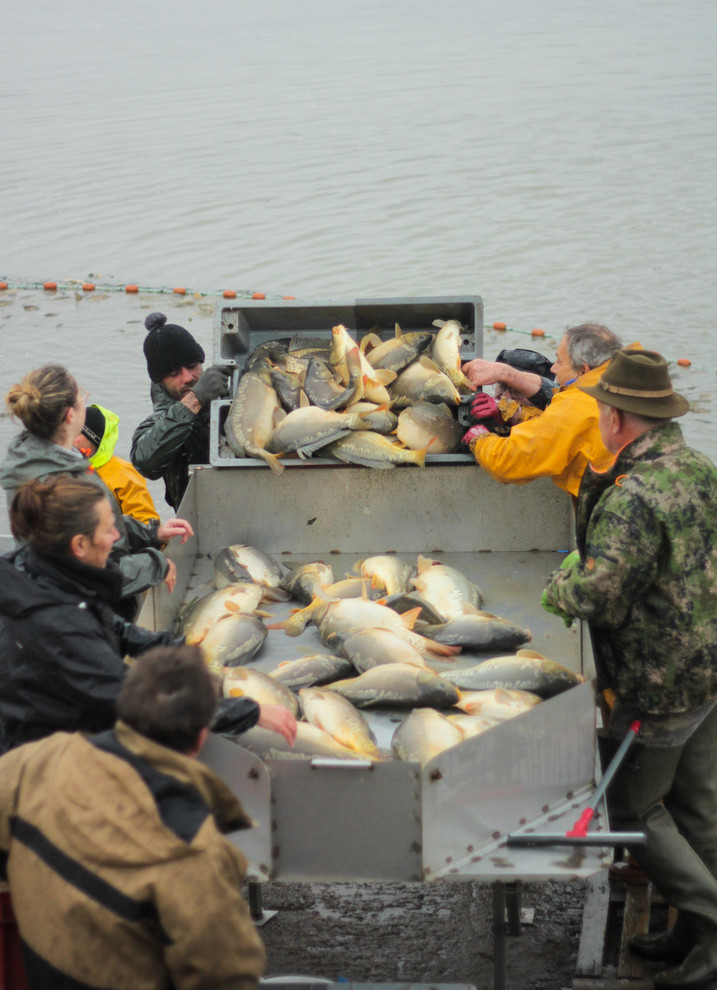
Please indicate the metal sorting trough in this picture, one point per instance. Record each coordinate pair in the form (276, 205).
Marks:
(324, 820)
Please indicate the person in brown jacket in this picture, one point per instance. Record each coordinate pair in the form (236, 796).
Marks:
(119, 873)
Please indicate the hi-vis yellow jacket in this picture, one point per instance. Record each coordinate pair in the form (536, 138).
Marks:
(121, 477)
(559, 444)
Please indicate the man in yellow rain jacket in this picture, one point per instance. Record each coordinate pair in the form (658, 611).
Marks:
(97, 442)
(565, 438)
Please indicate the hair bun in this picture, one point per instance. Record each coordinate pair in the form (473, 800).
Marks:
(154, 321)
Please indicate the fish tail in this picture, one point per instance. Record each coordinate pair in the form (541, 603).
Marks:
(272, 460)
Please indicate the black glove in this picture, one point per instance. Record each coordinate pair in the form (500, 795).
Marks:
(213, 384)
(135, 640)
(235, 715)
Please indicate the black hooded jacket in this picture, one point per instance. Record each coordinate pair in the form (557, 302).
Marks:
(61, 646)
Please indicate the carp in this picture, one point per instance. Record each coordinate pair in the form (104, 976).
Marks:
(423, 734)
(525, 671)
(305, 580)
(353, 587)
(423, 381)
(312, 671)
(379, 418)
(310, 741)
(200, 616)
(411, 601)
(398, 685)
(499, 704)
(367, 648)
(234, 640)
(446, 588)
(322, 388)
(386, 571)
(429, 424)
(472, 725)
(479, 631)
(252, 417)
(309, 428)
(398, 352)
(245, 682)
(446, 352)
(374, 450)
(337, 716)
(374, 380)
(241, 562)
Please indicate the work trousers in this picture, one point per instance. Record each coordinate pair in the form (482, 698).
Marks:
(671, 795)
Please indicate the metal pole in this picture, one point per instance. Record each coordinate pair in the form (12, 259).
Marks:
(499, 936)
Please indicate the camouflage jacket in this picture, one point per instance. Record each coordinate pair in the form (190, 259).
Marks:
(646, 582)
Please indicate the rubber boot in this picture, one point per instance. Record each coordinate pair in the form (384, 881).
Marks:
(672, 945)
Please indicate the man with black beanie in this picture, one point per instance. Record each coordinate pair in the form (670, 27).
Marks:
(177, 433)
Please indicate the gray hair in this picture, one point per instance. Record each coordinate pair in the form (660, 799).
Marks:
(591, 344)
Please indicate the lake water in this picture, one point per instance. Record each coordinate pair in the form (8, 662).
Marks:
(555, 157)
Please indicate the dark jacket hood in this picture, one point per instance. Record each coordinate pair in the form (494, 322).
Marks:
(31, 581)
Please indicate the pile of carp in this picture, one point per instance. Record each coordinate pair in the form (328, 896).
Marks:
(381, 628)
(374, 403)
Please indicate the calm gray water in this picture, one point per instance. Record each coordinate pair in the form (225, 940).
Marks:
(555, 157)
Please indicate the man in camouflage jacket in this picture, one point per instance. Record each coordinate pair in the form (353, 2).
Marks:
(646, 583)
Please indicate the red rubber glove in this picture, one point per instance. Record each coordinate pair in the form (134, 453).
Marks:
(484, 407)
(473, 434)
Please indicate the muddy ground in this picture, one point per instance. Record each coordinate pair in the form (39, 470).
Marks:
(420, 933)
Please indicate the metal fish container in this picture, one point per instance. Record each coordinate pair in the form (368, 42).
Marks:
(325, 820)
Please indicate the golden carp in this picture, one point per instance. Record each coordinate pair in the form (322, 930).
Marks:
(246, 682)
(200, 616)
(398, 685)
(374, 450)
(234, 640)
(423, 734)
(379, 418)
(252, 417)
(446, 352)
(429, 425)
(446, 588)
(367, 648)
(351, 614)
(337, 716)
(312, 671)
(322, 387)
(423, 381)
(309, 428)
(397, 353)
(479, 631)
(374, 380)
(241, 562)
(499, 704)
(310, 741)
(525, 671)
(386, 571)
(352, 587)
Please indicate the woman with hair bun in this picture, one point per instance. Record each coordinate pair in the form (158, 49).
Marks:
(61, 643)
(51, 408)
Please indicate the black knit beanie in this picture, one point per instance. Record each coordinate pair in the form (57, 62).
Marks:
(94, 428)
(168, 347)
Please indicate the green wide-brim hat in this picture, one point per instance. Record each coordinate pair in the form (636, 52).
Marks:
(638, 382)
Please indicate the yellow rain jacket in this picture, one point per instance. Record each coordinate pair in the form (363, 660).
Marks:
(559, 444)
(121, 477)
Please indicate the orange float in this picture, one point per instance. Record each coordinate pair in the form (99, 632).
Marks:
(500, 326)
(684, 362)
(259, 295)
(3, 285)
(180, 291)
(537, 333)
(131, 288)
(50, 286)
(229, 294)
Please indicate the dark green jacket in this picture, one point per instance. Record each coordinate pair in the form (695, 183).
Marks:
(646, 582)
(167, 442)
(136, 553)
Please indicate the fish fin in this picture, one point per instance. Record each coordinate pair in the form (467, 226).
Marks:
(262, 614)
(236, 692)
(272, 460)
(423, 564)
(277, 416)
(419, 456)
(441, 650)
(438, 323)
(376, 582)
(409, 618)
(531, 653)
(369, 341)
(357, 568)
(304, 400)
(468, 609)
(382, 376)
(398, 331)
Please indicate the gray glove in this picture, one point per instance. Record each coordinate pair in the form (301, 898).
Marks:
(213, 384)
